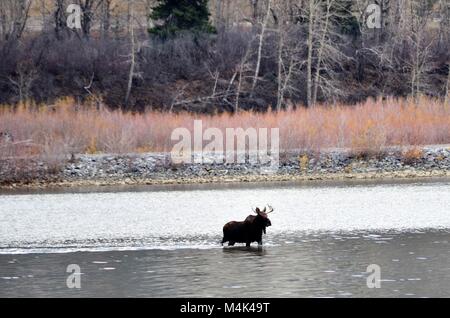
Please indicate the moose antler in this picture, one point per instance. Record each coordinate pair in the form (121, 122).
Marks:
(258, 210)
(270, 209)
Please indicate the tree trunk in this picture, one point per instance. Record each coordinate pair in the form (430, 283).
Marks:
(60, 18)
(106, 17)
(13, 18)
(310, 53)
(260, 46)
(447, 89)
(86, 24)
(415, 81)
(219, 15)
(280, 70)
(131, 73)
(320, 52)
(254, 4)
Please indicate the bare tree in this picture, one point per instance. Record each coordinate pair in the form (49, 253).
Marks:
(23, 80)
(105, 20)
(46, 12)
(60, 18)
(420, 44)
(89, 8)
(312, 7)
(227, 13)
(447, 88)
(289, 57)
(133, 52)
(321, 48)
(324, 44)
(219, 14)
(13, 18)
(260, 45)
(444, 23)
(254, 6)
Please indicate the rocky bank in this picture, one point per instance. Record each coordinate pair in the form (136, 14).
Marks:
(158, 168)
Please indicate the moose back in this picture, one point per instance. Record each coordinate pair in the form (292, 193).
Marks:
(249, 231)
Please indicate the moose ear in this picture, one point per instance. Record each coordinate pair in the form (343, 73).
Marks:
(258, 211)
(264, 210)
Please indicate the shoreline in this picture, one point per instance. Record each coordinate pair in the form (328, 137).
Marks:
(387, 176)
(157, 169)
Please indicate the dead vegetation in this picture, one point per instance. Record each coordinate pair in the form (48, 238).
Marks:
(70, 128)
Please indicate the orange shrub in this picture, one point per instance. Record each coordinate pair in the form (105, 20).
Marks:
(66, 127)
(412, 155)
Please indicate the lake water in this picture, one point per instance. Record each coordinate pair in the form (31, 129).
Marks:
(164, 241)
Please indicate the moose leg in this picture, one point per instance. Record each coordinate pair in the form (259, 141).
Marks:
(260, 243)
(231, 243)
(248, 244)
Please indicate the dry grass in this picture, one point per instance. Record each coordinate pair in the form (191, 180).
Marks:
(67, 128)
(412, 155)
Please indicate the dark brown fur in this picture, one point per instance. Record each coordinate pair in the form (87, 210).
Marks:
(248, 231)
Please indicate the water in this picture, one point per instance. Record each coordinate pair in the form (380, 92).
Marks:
(164, 242)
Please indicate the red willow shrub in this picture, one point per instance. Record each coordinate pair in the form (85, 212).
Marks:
(66, 128)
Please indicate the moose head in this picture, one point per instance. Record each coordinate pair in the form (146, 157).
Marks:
(262, 218)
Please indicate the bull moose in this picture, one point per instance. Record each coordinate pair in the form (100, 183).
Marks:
(249, 231)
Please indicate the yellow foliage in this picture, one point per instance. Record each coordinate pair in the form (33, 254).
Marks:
(92, 147)
(304, 162)
(412, 155)
(144, 149)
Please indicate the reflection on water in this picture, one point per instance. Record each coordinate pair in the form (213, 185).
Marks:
(166, 243)
(412, 265)
(242, 250)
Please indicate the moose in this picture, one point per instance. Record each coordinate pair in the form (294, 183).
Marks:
(249, 231)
